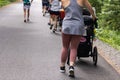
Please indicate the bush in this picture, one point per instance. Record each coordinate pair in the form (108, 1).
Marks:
(5, 2)
(12, 0)
(109, 36)
(111, 15)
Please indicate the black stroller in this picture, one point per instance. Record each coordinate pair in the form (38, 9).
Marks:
(85, 48)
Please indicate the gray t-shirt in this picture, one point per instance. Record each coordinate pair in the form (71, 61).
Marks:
(73, 22)
(55, 5)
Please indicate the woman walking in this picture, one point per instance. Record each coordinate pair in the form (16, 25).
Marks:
(45, 4)
(54, 13)
(72, 30)
(26, 8)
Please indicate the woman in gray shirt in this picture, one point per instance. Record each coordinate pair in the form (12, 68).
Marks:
(54, 13)
(72, 30)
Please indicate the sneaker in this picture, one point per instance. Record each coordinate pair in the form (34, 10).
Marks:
(43, 14)
(62, 69)
(71, 71)
(24, 20)
(51, 26)
(54, 30)
(49, 23)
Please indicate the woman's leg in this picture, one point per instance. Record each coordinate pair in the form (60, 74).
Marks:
(24, 15)
(44, 9)
(55, 21)
(51, 20)
(73, 52)
(73, 48)
(65, 45)
(28, 14)
(56, 14)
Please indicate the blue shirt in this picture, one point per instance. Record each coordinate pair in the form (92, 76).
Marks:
(26, 1)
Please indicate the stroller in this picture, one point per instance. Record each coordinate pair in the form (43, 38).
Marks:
(85, 48)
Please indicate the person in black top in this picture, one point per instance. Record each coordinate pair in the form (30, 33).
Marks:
(45, 4)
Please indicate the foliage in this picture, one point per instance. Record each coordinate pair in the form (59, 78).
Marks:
(109, 12)
(111, 15)
(97, 4)
(5, 2)
(109, 21)
(110, 37)
(12, 0)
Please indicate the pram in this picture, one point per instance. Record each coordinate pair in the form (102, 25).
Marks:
(85, 48)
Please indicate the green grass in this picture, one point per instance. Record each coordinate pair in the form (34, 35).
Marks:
(5, 2)
(110, 37)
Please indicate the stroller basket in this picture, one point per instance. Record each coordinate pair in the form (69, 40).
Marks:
(84, 47)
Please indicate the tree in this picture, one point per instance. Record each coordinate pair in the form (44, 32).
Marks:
(97, 4)
(111, 14)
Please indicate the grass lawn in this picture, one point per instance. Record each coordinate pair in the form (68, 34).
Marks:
(110, 37)
(4, 2)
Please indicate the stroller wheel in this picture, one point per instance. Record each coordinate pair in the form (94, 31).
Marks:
(95, 56)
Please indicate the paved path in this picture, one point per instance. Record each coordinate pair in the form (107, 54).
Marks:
(110, 54)
(30, 51)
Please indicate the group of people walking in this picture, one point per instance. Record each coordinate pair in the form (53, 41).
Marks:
(72, 26)
(53, 7)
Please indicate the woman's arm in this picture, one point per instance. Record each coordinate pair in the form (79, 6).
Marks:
(89, 7)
